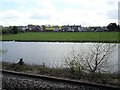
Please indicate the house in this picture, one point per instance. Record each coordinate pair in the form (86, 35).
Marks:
(78, 28)
(84, 29)
(64, 28)
(71, 28)
(105, 28)
(34, 28)
(99, 30)
(24, 28)
(37, 29)
(55, 28)
(30, 27)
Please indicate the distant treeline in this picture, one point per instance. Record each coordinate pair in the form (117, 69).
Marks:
(10, 30)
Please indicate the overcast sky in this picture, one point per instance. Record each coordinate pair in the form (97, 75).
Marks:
(58, 12)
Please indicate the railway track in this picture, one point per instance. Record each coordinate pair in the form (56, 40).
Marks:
(22, 81)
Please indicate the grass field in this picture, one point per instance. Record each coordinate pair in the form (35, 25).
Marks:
(65, 36)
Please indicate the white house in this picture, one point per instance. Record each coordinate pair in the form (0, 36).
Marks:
(55, 28)
(24, 28)
(72, 28)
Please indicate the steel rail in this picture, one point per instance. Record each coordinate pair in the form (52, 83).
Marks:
(74, 82)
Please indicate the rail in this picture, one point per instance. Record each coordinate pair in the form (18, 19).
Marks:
(56, 79)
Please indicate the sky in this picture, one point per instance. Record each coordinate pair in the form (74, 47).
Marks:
(58, 12)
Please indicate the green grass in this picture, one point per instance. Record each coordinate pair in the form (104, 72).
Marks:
(64, 36)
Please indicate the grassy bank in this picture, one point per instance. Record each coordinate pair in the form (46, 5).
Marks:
(65, 36)
(106, 78)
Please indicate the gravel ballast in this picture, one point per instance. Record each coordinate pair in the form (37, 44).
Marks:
(18, 82)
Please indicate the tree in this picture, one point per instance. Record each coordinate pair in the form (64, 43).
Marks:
(43, 27)
(15, 30)
(7, 30)
(118, 28)
(73, 63)
(112, 27)
(90, 60)
(10, 29)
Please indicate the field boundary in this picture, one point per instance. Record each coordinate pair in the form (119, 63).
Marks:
(75, 41)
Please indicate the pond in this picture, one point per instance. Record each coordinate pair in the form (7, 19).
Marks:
(50, 53)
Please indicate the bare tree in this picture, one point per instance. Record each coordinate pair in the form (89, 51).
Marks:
(93, 59)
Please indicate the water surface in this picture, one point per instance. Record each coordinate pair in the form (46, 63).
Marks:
(50, 53)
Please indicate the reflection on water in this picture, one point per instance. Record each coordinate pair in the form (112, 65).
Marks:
(50, 53)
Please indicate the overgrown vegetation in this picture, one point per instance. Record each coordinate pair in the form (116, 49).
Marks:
(101, 78)
(10, 30)
(92, 59)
